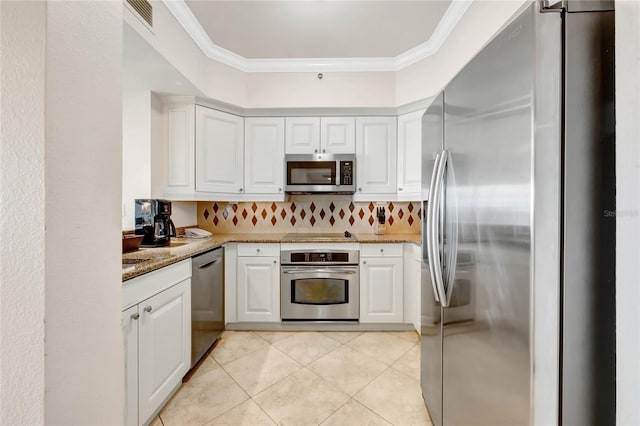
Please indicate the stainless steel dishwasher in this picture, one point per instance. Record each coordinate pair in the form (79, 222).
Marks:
(207, 301)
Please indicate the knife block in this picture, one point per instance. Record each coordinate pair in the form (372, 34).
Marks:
(378, 228)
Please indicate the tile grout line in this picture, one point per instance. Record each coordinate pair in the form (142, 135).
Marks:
(250, 397)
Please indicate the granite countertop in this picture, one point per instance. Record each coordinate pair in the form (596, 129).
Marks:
(150, 259)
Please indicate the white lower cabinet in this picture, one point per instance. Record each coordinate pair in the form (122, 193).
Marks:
(381, 288)
(412, 283)
(258, 283)
(130, 332)
(164, 345)
(157, 336)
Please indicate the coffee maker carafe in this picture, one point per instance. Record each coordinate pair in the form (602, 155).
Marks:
(153, 222)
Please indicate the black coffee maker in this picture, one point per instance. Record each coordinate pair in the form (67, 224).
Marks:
(153, 221)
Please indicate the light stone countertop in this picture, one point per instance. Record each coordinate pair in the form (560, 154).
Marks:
(184, 248)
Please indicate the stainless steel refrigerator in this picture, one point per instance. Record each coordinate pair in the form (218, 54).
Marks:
(518, 277)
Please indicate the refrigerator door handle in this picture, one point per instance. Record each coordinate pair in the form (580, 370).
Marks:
(452, 222)
(427, 234)
(435, 214)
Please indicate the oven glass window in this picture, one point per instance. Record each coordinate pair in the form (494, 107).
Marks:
(319, 291)
(311, 173)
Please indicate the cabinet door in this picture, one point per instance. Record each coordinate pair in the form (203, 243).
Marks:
(180, 159)
(264, 155)
(130, 333)
(302, 135)
(338, 135)
(164, 345)
(219, 151)
(381, 290)
(410, 153)
(376, 155)
(258, 289)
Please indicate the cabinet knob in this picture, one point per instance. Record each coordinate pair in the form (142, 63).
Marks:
(381, 250)
(279, 189)
(315, 150)
(360, 189)
(148, 309)
(364, 262)
(135, 316)
(241, 189)
(399, 189)
(257, 250)
(275, 261)
(324, 150)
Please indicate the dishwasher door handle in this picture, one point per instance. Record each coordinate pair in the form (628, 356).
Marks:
(206, 265)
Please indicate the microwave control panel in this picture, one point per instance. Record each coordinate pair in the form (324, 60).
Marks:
(346, 175)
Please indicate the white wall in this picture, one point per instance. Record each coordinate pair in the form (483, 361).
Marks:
(22, 212)
(136, 149)
(628, 212)
(346, 89)
(216, 80)
(84, 363)
(428, 77)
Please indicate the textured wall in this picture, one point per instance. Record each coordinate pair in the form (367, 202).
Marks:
(84, 362)
(22, 213)
(307, 216)
(628, 211)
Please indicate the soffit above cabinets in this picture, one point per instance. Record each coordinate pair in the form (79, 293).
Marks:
(312, 36)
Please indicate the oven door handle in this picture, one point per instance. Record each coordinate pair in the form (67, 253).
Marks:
(328, 271)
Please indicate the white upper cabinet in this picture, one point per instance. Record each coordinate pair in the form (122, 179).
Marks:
(326, 135)
(410, 155)
(264, 155)
(302, 135)
(180, 178)
(338, 135)
(376, 155)
(219, 151)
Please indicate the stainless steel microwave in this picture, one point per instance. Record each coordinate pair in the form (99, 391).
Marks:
(313, 173)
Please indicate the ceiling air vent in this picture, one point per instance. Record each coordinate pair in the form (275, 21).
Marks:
(144, 9)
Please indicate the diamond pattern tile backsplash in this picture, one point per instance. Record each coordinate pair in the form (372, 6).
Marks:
(307, 216)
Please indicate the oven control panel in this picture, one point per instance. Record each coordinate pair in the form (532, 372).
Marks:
(335, 257)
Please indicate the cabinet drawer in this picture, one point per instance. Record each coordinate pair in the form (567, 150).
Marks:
(380, 250)
(259, 249)
(138, 289)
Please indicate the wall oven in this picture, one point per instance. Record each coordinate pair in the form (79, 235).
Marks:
(313, 173)
(320, 285)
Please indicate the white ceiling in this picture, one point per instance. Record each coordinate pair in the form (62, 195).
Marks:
(267, 29)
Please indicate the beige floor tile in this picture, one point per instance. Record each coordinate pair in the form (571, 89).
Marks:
(396, 397)
(342, 336)
(202, 399)
(347, 369)
(409, 336)
(237, 344)
(306, 347)
(260, 369)
(274, 336)
(248, 413)
(205, 366)
(409, 363)
(380, 346)
(353, 413)
(303, 398)
(156, 422)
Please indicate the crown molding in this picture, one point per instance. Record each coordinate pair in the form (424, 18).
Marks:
(188, 21)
